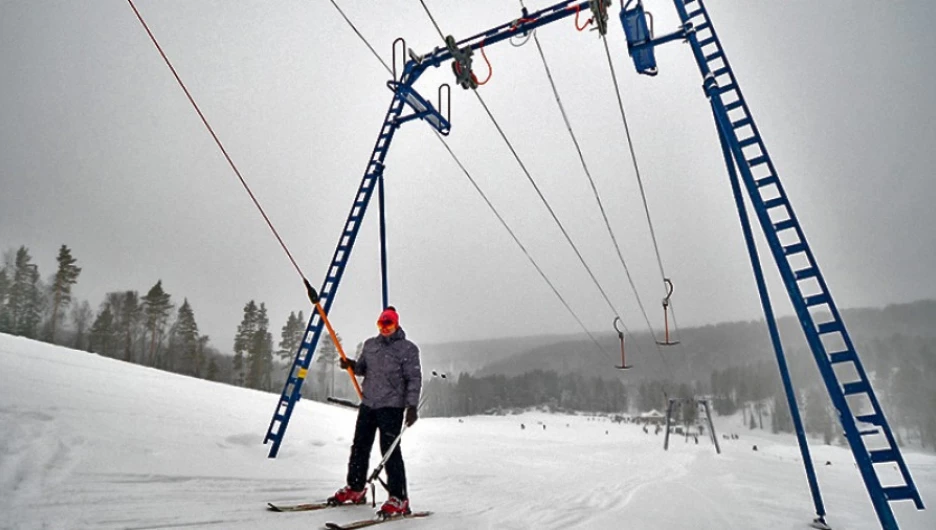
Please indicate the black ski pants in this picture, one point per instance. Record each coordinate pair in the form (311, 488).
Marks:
(389, 421)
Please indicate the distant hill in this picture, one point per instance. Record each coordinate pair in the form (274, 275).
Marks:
(702, 349)
(471, 356)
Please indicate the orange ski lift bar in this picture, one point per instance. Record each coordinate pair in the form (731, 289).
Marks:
(669, 293)
(624, 365)
(314, 298)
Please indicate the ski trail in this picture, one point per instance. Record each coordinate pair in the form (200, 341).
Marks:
(35, 457)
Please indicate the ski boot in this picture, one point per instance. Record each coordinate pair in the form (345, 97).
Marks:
(346, 495)
(394, 507)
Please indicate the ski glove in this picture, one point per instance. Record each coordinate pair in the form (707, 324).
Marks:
(411, 416)
(346, 363)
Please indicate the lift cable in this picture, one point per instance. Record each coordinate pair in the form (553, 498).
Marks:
(643, 194)
(529, 177)
(218, 141)
(594, 188)
(487, 201)
(369, 47)
(519, 244)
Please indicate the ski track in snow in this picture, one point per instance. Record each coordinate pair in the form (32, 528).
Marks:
(90, 442)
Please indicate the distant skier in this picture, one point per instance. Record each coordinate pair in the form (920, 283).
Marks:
(392, 383)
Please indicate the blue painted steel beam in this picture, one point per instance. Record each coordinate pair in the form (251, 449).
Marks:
(771, 321)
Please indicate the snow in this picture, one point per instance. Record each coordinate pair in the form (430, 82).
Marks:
(92, 442)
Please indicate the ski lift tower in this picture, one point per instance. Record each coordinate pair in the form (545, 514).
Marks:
(866, 428)
(868, 433)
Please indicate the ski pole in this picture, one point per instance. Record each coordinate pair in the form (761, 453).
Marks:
(393, 446)
(314, 298)
(375, 475)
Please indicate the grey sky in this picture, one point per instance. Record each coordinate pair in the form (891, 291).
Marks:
(100, 150)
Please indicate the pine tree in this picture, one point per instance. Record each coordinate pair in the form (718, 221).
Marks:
(65, 278)
(260, 353)
(291, 336)
(81, 315)
(156, 309)
(24, 301)
(102, 332)
(242, 342)
(187, 341)
(327, 358)
(127, 320)
(213, 369)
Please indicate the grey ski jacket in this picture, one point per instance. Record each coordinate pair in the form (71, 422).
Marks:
(392, 371)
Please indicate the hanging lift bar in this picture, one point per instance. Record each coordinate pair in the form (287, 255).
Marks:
(620, 332)
(666, 310)
(404, 95)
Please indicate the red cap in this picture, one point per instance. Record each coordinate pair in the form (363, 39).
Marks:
(390, 314)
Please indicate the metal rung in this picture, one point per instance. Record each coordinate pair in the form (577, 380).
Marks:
(896, 493)
(858, 387)
(695, 13)
(795, 248)
(741, 123)
(721, 71)
(829, 327)
(332, 279)
(873, 419)
(766, 181)
(883, 455)
(706, 42)
(712, 56)
(727, 88)
(816, 300)
(749, 141)
(773, 203)
(733, 105)
(757, 161)
(802, 274)
(785, 225)
(702, 27)
(343, 247)
(842, 357)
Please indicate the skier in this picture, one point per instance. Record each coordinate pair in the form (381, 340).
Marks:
(392, 375)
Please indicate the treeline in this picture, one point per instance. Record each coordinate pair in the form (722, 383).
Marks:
(498, 393)
(152, 329)
(143, 329)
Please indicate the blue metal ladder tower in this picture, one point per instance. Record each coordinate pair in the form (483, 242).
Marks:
(866, 428)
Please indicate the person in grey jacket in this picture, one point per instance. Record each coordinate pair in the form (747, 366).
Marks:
(392, 383)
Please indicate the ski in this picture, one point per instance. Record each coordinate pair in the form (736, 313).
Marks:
(364, 523)
(308, 507)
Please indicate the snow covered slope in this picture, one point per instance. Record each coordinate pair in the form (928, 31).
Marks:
(91, 442)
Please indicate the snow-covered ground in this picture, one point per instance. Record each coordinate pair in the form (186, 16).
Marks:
(91, 442)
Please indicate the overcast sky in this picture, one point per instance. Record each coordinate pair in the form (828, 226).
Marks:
(100, 150)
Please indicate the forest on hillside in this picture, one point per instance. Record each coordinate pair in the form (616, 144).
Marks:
(731, 364)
